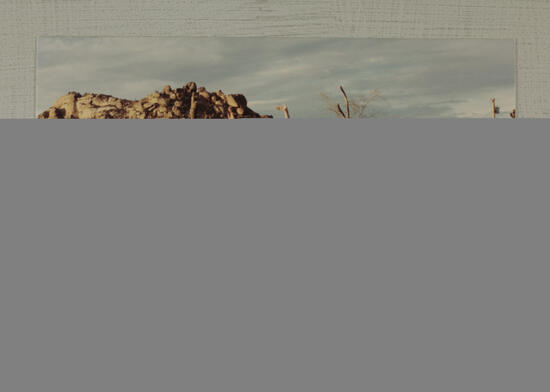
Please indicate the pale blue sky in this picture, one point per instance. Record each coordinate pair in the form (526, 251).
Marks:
(417, 78)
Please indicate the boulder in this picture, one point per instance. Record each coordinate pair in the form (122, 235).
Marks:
(166, 104)
(65, 106)
(236, 100)
(191, 87)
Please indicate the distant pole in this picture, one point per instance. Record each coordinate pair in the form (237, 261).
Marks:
(493, 108)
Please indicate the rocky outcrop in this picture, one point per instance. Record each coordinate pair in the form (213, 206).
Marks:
(186, 102)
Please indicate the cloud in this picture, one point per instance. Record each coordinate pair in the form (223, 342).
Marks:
(430, 78)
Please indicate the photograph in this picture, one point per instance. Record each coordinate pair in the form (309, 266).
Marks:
(274, 77)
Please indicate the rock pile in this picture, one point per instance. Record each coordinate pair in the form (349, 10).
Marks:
(186, 102)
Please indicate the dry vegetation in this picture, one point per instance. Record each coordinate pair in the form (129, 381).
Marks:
(355, 107)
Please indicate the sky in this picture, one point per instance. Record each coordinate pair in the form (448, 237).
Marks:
(415, 78)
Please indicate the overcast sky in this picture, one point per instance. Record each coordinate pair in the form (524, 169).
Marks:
(416, 78)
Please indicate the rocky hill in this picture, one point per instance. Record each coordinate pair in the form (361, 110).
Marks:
(186, 102)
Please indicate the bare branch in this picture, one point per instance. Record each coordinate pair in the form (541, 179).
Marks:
(340, 112)
(283, 109)
(358, 107)
(347, 101)
(331, 106)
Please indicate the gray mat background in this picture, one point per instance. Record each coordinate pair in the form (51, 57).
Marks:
(526, 21)
(274, 255)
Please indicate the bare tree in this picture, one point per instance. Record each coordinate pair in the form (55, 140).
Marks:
(283, 109)
(357, 107)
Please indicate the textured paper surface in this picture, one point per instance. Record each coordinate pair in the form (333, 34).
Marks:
(526, 21)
